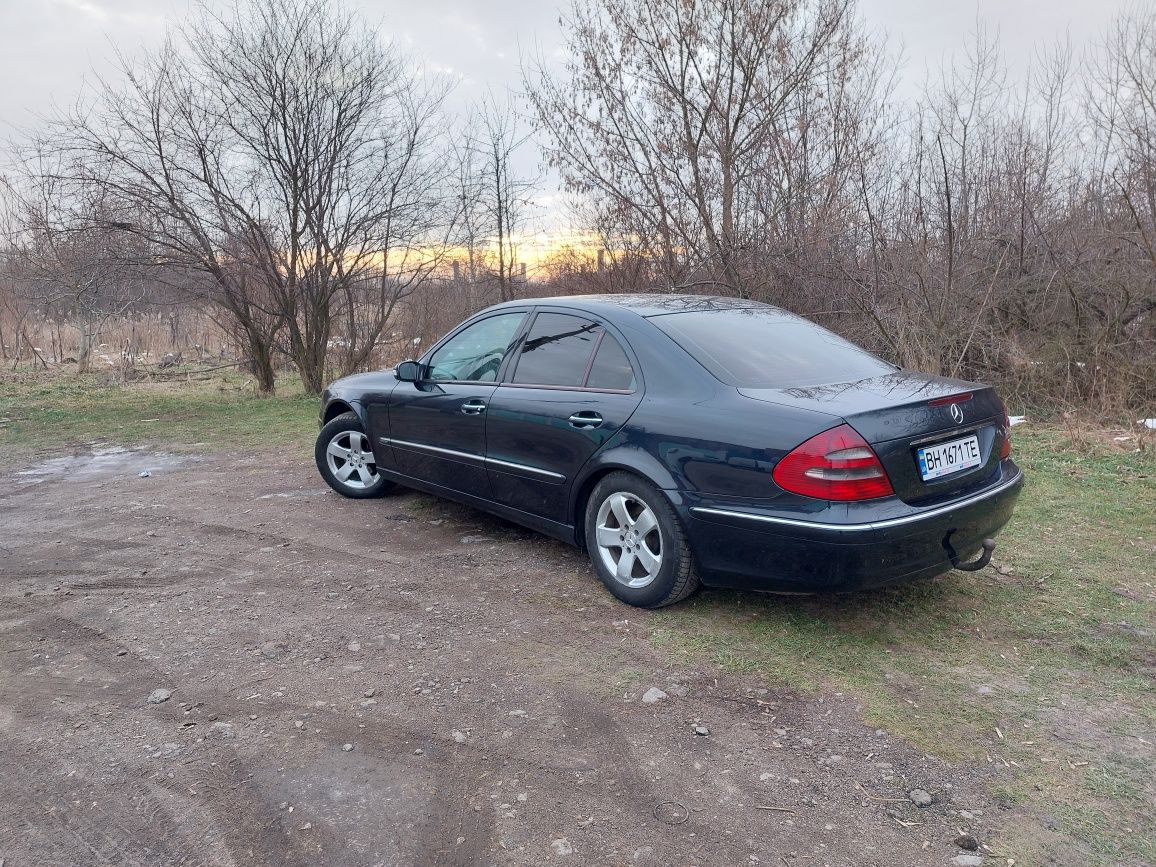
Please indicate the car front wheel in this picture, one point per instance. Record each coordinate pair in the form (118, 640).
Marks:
(345, 459)
(637, 544)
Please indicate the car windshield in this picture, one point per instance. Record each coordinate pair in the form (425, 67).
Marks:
(761, 348)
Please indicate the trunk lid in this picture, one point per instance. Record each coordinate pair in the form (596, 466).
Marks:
(900, 413)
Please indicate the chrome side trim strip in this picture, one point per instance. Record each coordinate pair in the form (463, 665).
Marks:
(538, 471)
(437, 450)
(453, 453)
(871, 525)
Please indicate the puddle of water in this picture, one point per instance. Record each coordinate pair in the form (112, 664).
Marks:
(101, 461)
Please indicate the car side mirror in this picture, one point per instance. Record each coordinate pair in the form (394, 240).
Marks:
(409, 371)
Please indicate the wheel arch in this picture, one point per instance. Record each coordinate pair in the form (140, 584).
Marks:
(337, 407)
(624, 459)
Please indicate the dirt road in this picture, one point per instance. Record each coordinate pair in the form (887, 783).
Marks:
(399, 681)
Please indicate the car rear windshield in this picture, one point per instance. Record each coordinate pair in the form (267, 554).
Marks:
(760, 348)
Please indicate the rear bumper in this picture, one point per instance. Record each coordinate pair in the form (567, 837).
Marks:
(759, 550)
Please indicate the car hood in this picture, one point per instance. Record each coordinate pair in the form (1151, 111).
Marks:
(362, 381)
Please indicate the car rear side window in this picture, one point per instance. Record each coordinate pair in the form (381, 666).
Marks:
(557, 350)
(475, 353)
(611, 368)
(763, 348)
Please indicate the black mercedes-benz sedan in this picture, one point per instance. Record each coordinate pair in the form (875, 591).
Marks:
(684, 440)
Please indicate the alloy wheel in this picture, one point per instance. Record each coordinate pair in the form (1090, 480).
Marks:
(351, 460)
(629, 540)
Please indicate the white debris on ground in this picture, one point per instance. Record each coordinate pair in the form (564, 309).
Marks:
(1149, 423)
(1013, 420)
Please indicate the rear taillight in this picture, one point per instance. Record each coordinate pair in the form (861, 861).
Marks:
(1005, 449)
(837, 464)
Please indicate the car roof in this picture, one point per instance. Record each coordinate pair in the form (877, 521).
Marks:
(644, 304)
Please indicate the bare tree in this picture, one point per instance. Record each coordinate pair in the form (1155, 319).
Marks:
(1122, 103)
(705, 126)
(930, 260)
(9, 235)
(285, 152)
(494, 194)
(281, 167)
(504, 192)
(67, 262)
(991, 248)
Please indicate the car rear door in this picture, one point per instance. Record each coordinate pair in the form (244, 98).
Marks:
(437, 427)
(569, 387)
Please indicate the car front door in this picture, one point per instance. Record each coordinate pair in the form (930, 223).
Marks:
(571, 386)
(437, 426)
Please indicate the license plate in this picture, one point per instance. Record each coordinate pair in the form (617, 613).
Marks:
(944, 459)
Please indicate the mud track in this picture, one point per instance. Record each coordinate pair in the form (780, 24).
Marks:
(489, 687)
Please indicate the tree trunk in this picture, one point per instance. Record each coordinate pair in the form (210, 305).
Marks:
(258, 346)
(84, 353)
(261, 365)
(313, 376)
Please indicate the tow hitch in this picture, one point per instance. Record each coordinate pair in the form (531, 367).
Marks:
(988, 546)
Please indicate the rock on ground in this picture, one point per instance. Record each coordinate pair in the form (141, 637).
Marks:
(967, 841)
(562, 846)
(919, 798)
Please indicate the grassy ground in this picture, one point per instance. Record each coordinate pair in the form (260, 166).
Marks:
(46, 411)
(1040, 668)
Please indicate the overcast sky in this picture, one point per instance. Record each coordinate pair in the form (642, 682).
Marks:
(48, 47)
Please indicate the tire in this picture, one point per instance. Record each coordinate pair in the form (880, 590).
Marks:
(644, 561)
(343, 449)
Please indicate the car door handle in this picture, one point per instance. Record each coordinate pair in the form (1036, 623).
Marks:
(585, 420)
(474, 406)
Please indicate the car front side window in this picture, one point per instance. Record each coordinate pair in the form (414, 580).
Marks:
(475, 354)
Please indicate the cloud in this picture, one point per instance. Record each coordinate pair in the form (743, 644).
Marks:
(467, 26)
(85, 7)
(134, 14)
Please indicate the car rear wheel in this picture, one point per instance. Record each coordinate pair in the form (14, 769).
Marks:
(637, 544)
(345, 459)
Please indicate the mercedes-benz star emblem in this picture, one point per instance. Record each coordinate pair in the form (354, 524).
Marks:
(957, 413)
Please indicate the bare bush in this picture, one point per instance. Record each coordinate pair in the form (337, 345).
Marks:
(292, 186)
(985, 231)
